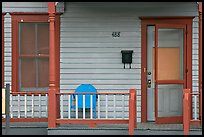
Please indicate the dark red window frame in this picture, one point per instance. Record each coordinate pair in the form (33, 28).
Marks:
(31, 17)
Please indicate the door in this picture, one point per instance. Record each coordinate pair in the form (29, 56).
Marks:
(166, 77)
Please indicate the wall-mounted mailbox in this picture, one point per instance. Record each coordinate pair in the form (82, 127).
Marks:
(127, 57)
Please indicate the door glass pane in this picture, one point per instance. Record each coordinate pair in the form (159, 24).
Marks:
(170, 100)
(170, 54)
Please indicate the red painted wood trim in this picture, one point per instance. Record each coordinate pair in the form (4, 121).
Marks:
(169, 120)
(144, 72)
(51, 8)
(165, 17)
(33, 13)
(34, 56)
(156, 74)
(162, 20)
(90, 121)
(2, 47)
(189, 59)
(26, 120)
(29, 93)
(53, 101)
(186, 111)
(14, 54)
(195, 122)
(170, 81)
(132, 111)
(57, 50)
(98, 93)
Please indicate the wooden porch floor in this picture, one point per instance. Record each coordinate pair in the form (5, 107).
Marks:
(145, 126)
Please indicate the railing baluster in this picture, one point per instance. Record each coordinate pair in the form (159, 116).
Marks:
(19, 106)
(61, 105)
(91, 105)
(32, 105)
(98, 106)
(84, 107)
(76, 106)
(106, 106)
(69, 107)
(11, 106)
(46, 103)
(195, 105)
(114, 106)
(39, 105)
(25, 105)
(123, 106)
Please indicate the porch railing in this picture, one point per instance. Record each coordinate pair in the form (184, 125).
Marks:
(190, 100)
(28, 106)
(112, 108)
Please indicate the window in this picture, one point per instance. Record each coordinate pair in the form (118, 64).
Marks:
(30, 51)
(33, 56)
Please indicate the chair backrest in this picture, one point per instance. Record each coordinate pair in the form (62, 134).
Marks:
(86, 88)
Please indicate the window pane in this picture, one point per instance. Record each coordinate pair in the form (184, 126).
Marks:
(43, 38)
(43, 72)
(27, 38)
(27, 73)
(170, 100)
(170, 54)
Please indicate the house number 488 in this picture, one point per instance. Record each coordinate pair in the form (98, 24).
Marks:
(116, 34)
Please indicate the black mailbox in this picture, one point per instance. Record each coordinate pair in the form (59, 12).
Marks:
(127, 57)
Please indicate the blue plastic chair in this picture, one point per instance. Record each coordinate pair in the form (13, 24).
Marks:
(85, 88)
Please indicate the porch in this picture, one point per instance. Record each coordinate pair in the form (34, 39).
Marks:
(116, 114)
(150, 128)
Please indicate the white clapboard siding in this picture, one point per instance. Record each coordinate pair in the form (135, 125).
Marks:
(29, 7)
(89, 53)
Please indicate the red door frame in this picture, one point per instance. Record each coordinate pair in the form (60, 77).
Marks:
(145, 21)
(31, 17)
(170, 119)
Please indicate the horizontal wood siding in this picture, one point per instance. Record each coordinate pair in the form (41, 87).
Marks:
(29, 7)
(7, 50)
(89, 53)
(195, 67)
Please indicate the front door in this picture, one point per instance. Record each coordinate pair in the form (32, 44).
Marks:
(166, 78)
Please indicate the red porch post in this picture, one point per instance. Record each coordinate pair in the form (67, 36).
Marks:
(52, 114)
(132, 111)
(200, 60)
(186, 111)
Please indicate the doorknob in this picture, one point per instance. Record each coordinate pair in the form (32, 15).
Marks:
(149, 83)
